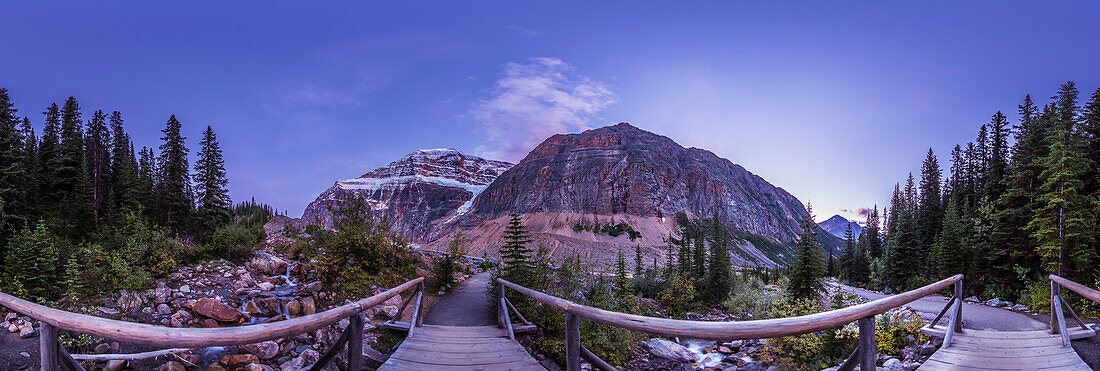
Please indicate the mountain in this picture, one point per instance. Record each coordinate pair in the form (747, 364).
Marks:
(585, 194)
(837, 226)
(624, 176)
(417, 192)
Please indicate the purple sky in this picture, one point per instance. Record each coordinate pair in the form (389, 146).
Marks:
(833, 101)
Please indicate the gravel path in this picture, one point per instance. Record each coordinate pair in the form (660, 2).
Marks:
(978, 317)
(465, 306)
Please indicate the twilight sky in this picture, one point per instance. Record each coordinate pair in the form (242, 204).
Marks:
(833, 101)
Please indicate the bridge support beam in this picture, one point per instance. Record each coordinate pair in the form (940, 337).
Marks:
(959, 311)
(573, 342)
(867, 347)
(48, 346)
(355, 342)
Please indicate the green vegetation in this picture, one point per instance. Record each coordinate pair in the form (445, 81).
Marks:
(1018, 203)
(609, 229)
(83, 214)
(445, 267)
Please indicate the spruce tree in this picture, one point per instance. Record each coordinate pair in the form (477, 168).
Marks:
(126, 187)
(147, 181)
(719, 265)
(213, 197)
(847, 258)
(31, 166)
(98, 152)
(929, 210)
(670, 259)
(639, 267)
(49, 159)
(174, 180)
(622, 282)
(32, 262)
(515, 255)
(71, 183)
(699, 258)
(14, 178)
(950, 252)
(806, 269)
(1061, 223)
(684, 258)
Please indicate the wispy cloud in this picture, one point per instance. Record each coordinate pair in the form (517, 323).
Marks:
(534, 100)
(523, 31)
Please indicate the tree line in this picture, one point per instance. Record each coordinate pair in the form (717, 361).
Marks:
(79, 202)
(1020, 201)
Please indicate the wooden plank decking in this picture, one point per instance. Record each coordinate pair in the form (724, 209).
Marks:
(1005, 350)
(443, 348)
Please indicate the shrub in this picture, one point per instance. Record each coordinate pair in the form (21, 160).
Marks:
(679, 297)
(444, 267)
(800, 352)
(1038, 295)
(750, 298)
(894, 328)
(234, 242)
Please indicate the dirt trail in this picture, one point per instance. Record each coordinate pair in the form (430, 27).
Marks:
(465, 306)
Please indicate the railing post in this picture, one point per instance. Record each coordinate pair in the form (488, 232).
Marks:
(572, 342)
(47, 346)
(500, 311)
(867, 346)
(1054, 292)
(958, 312)
(419, 320)
(355, 342)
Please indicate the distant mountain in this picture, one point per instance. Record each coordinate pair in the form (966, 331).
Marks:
(837, 226)
(417, 192)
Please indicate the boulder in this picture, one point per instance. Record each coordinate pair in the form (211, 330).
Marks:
(256, 367)
(264, 350)
(995, 302)
(115, 365)
(266, 286)
(294, 364)
(308, 306)
(926, 350)
(102, 348)
(1020, 308)
(215, 309)
(388, 311)
(164, 309)
(892, 364)
(11, 316)
(669, 350)
(238, 360)
(294, 307)
(268, 264)
(310, 356)
(128, 301)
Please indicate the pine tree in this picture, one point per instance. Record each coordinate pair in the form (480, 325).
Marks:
(847, 258)
(929, 210)
(14, 178)
(515, 254)
(30, 165)
(997, 164)
(806, 267)
(97, 150)
(147, 181)
(32, 262)
(670, 259)
(72, 187)
(49, 159)
(684, 258)
(699, 258)
(622, 282)
(126, 187)
(213, 197)
(950, 252)
(718, 274)
(1062, 221)
(639, 267)
(173, 179)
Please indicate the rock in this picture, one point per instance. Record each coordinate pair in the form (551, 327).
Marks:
(256, 367)
(13, 328)
(314, 286)
(11, 316)
(308, 306)
(108, 311)
(389, 311)
(102, 348)
(115, 365)
(892, 364)
(253, 309)
(210, 323)
(310, 356)
(926, 350)
(995, 302)
(26, 332)
(237, 360)
(264, 350)
(669, 350)
(972, 299)
(216, 367)
(171, 366)
(268, 264)
(724, 350)
(294, 307)
(1020, 308)
(164, 309)
(217, 310)
(128, 301)
(193, 359)
(294, 364)
(266, 286)
(25, 354)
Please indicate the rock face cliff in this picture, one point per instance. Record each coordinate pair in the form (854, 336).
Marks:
(416, 193)
(838, 225)
(621, 169)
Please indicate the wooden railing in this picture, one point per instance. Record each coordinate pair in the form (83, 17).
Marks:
(954, 322)
(1057, 316)
(864, 314)
(54, 356)
(417, 319)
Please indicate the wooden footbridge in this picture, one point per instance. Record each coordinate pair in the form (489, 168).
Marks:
(442, 348)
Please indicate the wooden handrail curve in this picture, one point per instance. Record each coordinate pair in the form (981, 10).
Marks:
(756, 329)
(168, 337)
(1088, 293)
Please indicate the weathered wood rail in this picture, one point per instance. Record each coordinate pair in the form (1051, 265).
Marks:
(54, 357)
(1057, 316)
(863, 314)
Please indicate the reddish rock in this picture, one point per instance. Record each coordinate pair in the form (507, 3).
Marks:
(210, 323)
(263, 350)
(215, 309)
(237, 360)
